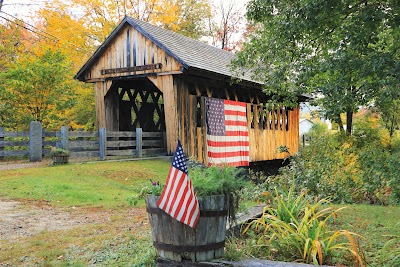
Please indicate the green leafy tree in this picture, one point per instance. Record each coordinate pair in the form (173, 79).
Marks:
(38, 88)
(341, 51)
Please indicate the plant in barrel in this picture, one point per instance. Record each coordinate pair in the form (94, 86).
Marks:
(189, 220)
(59, 156)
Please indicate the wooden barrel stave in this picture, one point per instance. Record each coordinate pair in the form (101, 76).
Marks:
(176, 241)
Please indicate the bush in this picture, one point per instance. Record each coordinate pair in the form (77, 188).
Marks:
(364, 167)
(296, 228)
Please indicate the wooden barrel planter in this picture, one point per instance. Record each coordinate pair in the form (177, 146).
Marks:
(60, 159)
(176, 241)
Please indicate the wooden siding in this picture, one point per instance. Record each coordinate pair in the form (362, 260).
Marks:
(169, 89)
(130, 49)
(100, 91)
(263, 142)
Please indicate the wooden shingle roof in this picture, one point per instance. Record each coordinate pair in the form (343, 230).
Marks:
(192, 54)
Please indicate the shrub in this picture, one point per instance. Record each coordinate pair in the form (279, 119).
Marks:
(296, 228)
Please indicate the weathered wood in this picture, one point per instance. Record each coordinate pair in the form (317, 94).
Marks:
(121, 134)
(116, 144)
(177, 241)
(83, 134)
(125, 152)
(131, 69)
(152, 143)
(52, 134)
(85, 154)
(16, 134)
(14, 153)
(153, 151)
(102, 143)
(139, 143)
(83, 144)
(65, 137)
(152, 134)
(14, 143)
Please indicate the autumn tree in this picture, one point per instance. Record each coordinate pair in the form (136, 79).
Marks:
(37, 88)
(341, 51)
(227, 24)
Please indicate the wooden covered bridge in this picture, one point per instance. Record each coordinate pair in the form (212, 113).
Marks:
(150, 78)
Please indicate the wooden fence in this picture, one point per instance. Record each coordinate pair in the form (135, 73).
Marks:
(84, 144)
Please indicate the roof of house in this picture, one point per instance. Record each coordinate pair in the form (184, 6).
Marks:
(192, 54)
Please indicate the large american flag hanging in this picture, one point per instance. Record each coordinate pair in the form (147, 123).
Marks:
(178, 198)
(227, 132)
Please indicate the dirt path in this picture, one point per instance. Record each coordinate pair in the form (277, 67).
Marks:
(11, 165)
(23, 219)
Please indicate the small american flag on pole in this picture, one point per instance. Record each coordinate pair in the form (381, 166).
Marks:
(227, 132)
(178, 198)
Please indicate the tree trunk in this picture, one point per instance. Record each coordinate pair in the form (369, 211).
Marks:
(339, 121)
(349, 121)
(391, 131)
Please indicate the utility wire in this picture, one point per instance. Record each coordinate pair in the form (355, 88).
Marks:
(42, 32)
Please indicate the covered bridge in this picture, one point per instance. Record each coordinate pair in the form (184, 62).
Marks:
(151, 78)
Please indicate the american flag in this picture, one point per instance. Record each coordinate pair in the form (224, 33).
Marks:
(227, 132)
(178, 198)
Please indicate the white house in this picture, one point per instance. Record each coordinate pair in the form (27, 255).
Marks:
(305, 126)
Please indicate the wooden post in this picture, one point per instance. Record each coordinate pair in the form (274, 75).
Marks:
(165, 141)
(2, 134)
(103, 143)
(139, 143)
(304, 139)
(64, 138)
(35, 141)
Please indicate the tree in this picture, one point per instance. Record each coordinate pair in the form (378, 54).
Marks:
(37, 88)
(227, 24)
(332, 49)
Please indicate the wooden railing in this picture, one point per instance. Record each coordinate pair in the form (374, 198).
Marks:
(83, 144)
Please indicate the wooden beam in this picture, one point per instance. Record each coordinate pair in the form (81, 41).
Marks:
(131, 69)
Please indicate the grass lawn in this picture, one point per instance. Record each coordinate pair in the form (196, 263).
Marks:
(106, 184)
(104, 229)
(111, 233)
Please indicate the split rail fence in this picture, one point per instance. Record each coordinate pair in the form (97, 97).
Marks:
(102, 144)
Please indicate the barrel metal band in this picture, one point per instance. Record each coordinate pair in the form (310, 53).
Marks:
(181, 248)
(203, 213)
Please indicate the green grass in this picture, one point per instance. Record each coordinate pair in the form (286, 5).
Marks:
(124, 238)
(375, 223)
(106, 184)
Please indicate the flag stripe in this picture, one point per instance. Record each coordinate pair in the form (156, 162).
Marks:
(227, 154)
(227, 132)
(212, 143)
(178, 198)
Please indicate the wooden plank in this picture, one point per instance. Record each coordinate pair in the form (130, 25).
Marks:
(52, 134)
(152, 134)
(83, 134)
(14, 143)
(156, 143)
(85, 154)
(153, 151)
(125, 152)
(199, 138)
(83, 144)
(121, 143)
(16, 134)
(120, 134)
(14, 153)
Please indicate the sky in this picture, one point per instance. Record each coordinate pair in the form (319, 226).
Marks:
(24, 8)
